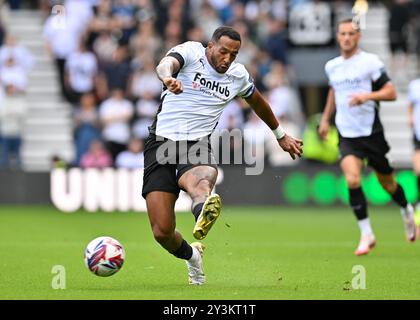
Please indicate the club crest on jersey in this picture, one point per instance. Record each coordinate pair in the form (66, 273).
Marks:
(213, 85)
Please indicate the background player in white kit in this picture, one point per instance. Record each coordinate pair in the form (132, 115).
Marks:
(358, 82)
(414, 122)
(198, 83)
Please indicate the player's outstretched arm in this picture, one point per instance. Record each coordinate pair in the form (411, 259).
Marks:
(262, 109)
(165, 70)
(324, 124)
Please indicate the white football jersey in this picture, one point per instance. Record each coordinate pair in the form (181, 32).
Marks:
(361, 73)
(82, 68)
(414, 97)
(194, 113)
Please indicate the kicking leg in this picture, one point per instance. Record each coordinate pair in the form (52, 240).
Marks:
(352, 168)
(391, 186)
(198, 183)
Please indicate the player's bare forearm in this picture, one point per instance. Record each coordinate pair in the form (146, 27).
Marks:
(324, 125)
(262, 109)
(167, 67)
(329, 107)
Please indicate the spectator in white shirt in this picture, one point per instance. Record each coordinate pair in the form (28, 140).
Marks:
(62, 38)
(145, 82)
(285, 107)
(12, 116)
(115, 114)
(133, 157)
(12, 74)
(21, 54)
(104, 47)
(81, 71)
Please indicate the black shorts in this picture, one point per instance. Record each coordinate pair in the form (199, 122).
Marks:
(373, 148)
(416, 143)
(165, 161)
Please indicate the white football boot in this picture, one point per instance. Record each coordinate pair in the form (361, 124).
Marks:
(195, 265)
(411, 229)
(366, 244)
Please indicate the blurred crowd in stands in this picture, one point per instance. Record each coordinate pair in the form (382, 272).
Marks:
(105, 52)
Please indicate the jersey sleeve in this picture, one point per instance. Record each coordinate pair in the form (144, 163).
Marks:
(327, 72)
(182, 52)
(248, 86)
(411, 93)
(378, 73)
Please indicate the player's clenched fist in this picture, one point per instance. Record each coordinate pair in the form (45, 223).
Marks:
(173, 85)
(324, 128)
(291, 145)
(358, 99)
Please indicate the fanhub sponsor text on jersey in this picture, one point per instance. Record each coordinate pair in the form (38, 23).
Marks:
(213, 85)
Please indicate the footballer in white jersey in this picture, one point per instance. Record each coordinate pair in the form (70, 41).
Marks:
(358, 82)
(198, 83)
(206, 93)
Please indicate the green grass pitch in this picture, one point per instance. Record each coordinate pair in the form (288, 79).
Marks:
(252, 253)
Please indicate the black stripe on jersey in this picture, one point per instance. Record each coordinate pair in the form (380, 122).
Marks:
(181, 61)
(376, 86)
(249, 92)
(382, 80)
(377, 125)
(178, 57)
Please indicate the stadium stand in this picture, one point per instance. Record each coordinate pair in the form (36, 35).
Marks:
(393, 114)
(48, 127)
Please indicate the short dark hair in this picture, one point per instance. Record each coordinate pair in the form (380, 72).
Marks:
(353, 21)
(226, 31)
